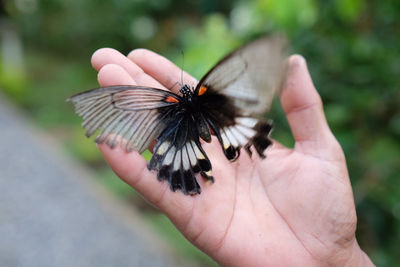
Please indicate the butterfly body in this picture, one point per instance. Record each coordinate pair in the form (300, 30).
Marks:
(227, 102)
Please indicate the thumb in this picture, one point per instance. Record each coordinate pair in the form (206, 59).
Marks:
(303, 108)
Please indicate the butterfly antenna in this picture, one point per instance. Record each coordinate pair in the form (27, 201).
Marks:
(183, 66)
(180, 83)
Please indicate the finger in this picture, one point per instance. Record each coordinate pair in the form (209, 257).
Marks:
(105, 56)
(161, 69)
(113, 74)
(132, 168)
(303, 106)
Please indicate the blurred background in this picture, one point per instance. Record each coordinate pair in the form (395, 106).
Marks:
(352, 48)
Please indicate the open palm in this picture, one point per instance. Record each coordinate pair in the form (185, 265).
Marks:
(294, 208)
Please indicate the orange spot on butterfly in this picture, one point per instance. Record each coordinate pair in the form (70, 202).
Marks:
(171, 99)
(202, 90)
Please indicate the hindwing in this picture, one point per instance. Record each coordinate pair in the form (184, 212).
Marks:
(178, 156)
(235, 131)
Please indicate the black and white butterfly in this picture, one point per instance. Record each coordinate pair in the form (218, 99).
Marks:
(229, 102)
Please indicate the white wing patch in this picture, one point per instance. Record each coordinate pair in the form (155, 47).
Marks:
(246, 132)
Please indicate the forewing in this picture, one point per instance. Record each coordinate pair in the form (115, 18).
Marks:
(135, 113)
(251, 75)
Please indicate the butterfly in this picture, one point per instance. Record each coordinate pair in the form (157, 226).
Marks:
(227, 102)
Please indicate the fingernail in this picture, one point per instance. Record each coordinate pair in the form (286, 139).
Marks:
(296, 61)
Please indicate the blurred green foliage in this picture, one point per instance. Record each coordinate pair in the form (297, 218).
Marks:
(352, 48)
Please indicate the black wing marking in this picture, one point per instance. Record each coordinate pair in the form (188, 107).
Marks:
(135, 113)
(178, 156)
(251, 75)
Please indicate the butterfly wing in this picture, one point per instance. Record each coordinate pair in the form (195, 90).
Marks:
(240, 87)
(139, 115)
(135, 113)
(178, 155)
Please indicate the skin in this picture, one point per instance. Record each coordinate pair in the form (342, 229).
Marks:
(294, 208)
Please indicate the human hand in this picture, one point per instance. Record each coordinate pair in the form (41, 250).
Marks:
(293, 208)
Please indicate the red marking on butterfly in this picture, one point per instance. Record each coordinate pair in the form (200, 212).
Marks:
(202, 90)
(171, 99)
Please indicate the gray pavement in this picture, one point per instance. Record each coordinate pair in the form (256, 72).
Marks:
(53, 213)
